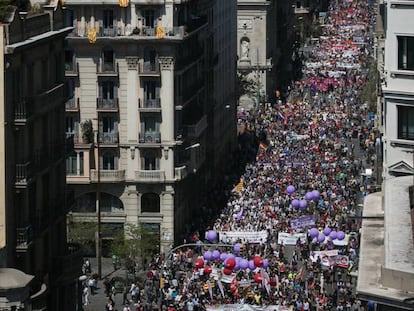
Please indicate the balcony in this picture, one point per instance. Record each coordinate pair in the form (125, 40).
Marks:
(72, 105)
(27, 108)
(72, 69)
(107, 176)
(24, 172)
(109, 138)
(74, 136)
(149, 105)
(180, 172)
(24, 238)
(107, 104)
(107, 69)
(149, 69)
(141, 32)
(194, 131)
(110, 31)
(146, 176)
(150, 138)
(23, 110)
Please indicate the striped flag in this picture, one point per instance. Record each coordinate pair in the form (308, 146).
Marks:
(281, 115)
(263, 146)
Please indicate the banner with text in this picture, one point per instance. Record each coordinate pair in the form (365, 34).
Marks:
(245, 236)
(286, 238)
(302, 222)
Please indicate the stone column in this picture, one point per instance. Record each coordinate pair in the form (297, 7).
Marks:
(132, 110)
(167, 226)
(133, 17)
(167, 112)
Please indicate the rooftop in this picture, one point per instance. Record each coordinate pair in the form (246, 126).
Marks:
(386, 264)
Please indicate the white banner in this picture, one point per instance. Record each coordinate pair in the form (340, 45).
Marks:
(245, 236)
(290, 239)
(245, 307)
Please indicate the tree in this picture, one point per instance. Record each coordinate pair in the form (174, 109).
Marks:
(82, 233)
(135, 242)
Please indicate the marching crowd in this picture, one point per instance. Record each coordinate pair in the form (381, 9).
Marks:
(305, 183)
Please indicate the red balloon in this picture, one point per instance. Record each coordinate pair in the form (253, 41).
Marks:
(230, 263)
(227, 271)
(199, 263)
(258, 278)
(208, 269)
(258, 261)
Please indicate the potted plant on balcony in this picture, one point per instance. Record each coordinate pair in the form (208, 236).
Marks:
(87, 131)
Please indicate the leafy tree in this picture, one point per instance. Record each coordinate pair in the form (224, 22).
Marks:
(81, 232)
(135, 242)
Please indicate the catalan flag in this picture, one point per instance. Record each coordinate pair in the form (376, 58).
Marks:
(239, 187)
(263, 146)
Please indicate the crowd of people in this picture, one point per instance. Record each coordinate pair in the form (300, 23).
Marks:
(288, 236)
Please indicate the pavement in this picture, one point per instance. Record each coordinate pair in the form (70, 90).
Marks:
(98, 301)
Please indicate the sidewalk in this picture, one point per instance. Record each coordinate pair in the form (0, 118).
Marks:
(99, 300)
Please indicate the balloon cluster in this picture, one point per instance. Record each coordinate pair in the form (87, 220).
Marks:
(231, 262)
(321, 236)
(313, 195)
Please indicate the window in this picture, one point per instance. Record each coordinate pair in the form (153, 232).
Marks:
(72, 125)
(108, 19)
(109, 160)
(149, 18)
(108, 93)
(74, 164)
(406, 122)
(405, 53)
(69, 60)
(150, 161)
(150, 203)
(108, 60)
(108, 129)
(151, 90)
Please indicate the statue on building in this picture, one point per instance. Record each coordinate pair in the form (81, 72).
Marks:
(244, 49)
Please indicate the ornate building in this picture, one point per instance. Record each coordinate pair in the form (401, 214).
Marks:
(151, 108)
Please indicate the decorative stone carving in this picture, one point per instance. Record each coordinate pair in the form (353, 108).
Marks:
(166, 62)
(132, 62)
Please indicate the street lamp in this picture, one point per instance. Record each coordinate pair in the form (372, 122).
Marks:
(98, 208)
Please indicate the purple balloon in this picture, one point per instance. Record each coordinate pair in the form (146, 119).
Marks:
(333, 235)
(316, 195)
(216, 254)
(295, 203)
(313, 233)
(309, 196)
(208, 255)
(244, 263)
(265, 263)
(223, 256)
(321, 237)
(252, 266)
(327, 231)
(229, 255)
(212, 236)
(236, 248)
(340, 235)
(303, 204)
(290, 189)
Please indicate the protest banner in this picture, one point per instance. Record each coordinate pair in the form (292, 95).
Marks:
(286, 238)
(302, 222)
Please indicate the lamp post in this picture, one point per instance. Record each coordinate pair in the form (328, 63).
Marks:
(98, 209)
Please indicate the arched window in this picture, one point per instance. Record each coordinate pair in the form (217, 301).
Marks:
(86, 203)
(150, 203)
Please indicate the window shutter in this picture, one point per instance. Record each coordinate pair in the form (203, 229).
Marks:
(142, 163)
(157, 163)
